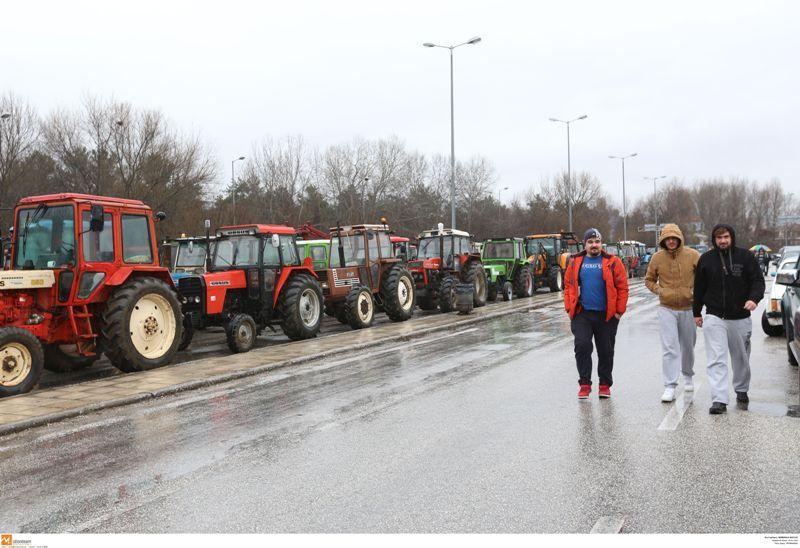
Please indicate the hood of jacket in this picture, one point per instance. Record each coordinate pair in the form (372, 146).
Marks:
(727, 227)
(671, 231)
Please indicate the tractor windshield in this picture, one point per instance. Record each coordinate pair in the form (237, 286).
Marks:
(354, 254)
(429, 248)
(45, 237)
(236, 251)
(191, 256)
(498, 250)
(549, 245)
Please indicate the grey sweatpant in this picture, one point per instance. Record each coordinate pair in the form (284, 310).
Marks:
(678, 335)
(721, 337)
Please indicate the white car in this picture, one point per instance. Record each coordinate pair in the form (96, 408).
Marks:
(772, 317)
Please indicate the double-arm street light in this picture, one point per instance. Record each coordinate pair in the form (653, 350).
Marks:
(624, 204)
(470, 42)
(233, 185)
(655, 203)
(569, 165)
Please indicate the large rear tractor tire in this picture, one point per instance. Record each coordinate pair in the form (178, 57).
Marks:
(241, 333)
(360, 307)
(447, 294)
(21, 361)
(555, 280)
(491, 292)
(507, 291)
(523, 282)
(301, 306)
(64, 358)
(476, 276)
(397, 293)
(142, 325)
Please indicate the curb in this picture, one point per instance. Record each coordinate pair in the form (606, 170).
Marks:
(50, 418)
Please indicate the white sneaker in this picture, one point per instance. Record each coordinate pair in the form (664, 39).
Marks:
(688, 384)
(669, 395)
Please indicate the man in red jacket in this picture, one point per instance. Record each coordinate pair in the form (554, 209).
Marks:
(595, 296)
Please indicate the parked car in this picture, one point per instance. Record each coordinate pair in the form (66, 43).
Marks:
(772, 317)
(790, 305)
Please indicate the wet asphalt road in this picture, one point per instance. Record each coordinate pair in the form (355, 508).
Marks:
(476, 431)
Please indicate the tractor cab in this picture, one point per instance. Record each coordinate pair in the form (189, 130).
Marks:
(185, 256)
(317, 250)
(365, 276)
(403, 248)
(78, 262)
(449, 248)
(256, 279)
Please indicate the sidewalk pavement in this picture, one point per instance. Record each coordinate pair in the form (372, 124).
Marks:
(54, 404)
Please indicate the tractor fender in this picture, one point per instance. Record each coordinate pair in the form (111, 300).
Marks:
(286, 273)
(123, 273)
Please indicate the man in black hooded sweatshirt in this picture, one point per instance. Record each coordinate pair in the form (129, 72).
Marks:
(729, 283)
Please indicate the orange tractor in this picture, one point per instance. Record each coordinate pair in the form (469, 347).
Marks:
(365, 276)
(84, 279)
(255, 279)
(548, 253)
(445, 258)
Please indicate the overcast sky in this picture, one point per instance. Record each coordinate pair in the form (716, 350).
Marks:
(698, 89)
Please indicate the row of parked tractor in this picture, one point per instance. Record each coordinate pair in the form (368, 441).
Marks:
(84, 276)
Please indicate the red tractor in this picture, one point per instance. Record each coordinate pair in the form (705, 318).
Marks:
(256, 279)
(446, 257)
(84, 279)
(365, 276)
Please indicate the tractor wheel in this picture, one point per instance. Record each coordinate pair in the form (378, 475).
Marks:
(491, 292)
(476, 276)
(360, 307)
(507, 291)
(142, 325)
(523, 282)
(300, 304)
(63, 358)
(241, 333)
(447, 294)
(555, 281)
(21, 361)
(397, 293)
(341, 314)
(188, 334)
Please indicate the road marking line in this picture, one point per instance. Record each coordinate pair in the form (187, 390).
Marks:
(608, 525)
(678, 409)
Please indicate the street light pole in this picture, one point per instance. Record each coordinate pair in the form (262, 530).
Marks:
(624, 202)
(655, 205)
(499, 191)
(569, 164)
(470, 42)
(233, 186)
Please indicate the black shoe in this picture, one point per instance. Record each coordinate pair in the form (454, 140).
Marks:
(718, 408)
(741, 397)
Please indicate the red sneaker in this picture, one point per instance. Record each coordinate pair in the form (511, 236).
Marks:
(605, 391)
(583, 393)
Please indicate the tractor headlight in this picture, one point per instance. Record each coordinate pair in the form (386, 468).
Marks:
(197, 299)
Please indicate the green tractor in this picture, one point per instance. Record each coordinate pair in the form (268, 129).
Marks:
(508, 271)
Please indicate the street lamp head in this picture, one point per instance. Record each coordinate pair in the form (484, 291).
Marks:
(554, 119)
(583, 117)
(634, 154)
(614, 157)
(429, 45)
(241, 158)
(474, 40)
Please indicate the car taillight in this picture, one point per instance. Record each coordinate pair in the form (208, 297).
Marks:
(775, 304)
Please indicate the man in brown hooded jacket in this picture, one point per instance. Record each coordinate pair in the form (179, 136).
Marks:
(670, 275)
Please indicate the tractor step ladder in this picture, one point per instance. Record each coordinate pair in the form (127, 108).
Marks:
(80, 320)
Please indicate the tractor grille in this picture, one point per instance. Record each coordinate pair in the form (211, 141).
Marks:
(190, 289)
